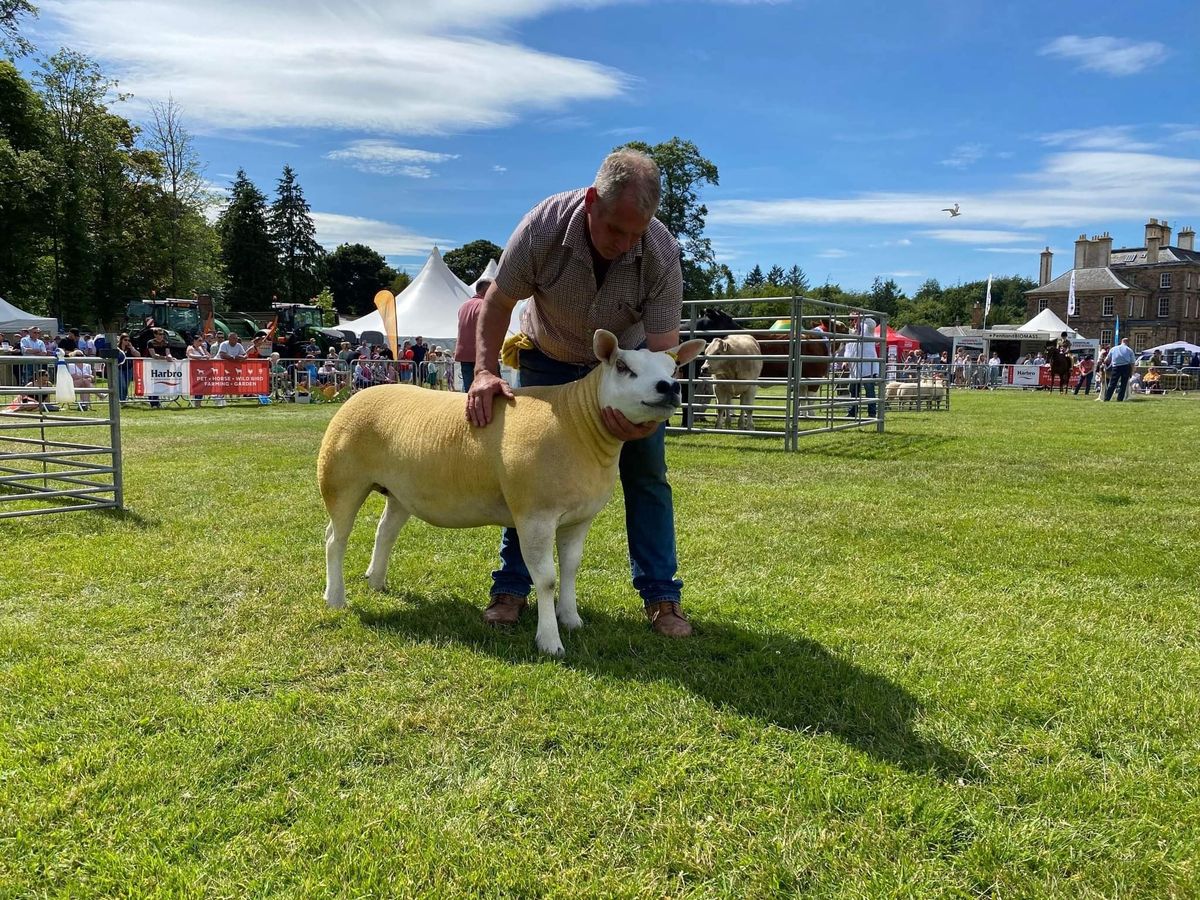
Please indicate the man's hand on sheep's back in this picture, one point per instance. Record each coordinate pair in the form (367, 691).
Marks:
(624, 430)
(481, 394)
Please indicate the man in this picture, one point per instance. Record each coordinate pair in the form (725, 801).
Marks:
(31, 345)
(1086, 370)
(468, 321)
(592, 258)
(862, 354)
(1120, 367)
(231, 348)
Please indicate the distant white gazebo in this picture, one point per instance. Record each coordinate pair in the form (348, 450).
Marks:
(427, 307)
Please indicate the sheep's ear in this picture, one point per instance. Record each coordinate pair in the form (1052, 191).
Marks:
(688, 351)
(604, 345)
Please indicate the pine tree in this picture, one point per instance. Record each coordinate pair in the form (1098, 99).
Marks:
(754, 282)
(797, 280)
(250, 257)
(776, 277)
(294, 234)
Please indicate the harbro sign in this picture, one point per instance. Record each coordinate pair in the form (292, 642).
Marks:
(172, 377)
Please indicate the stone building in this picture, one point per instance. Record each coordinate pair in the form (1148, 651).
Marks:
(1154, 289)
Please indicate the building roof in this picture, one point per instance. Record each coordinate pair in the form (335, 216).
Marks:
(1096, 279)
(1136, 256)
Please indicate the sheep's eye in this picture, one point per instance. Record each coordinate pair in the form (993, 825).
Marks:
(625, 370)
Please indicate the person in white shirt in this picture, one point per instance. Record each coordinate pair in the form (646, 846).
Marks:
(197, 350)
(232, 348)
(863, 355)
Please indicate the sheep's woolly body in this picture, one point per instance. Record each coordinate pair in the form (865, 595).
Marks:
(548, 450)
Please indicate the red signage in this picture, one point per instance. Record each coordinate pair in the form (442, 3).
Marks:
(243, 377)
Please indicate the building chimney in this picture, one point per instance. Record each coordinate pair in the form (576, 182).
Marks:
(1045, 270)
(976, 315)
(1151, 230)
(1104, 242)
(1092, 256)
(1081, 248)
(1164, 234)
(1187, 239)
(1152, 248)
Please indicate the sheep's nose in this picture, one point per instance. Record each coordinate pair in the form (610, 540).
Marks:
(668, 387)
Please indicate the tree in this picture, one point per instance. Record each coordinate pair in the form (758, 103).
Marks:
(295, 235)
(797, 280)
(776, 277)
(356, 273)
(11, 12)
(25, 177)
(683, 171)
(753, 281)
(181, 184)
(469, 260)
(324, 299)
(399, 283)
(250, 257)
(885, 296)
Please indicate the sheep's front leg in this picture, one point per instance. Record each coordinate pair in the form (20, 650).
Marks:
(385, 538)
(570, 552)
(537, 548)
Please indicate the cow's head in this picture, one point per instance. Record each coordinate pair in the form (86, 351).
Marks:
(641, 384)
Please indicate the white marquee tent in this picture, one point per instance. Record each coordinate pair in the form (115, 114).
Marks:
(427, 307)
(14, 319)
(489, 272)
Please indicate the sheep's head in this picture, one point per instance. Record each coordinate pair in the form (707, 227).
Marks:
(641, 384)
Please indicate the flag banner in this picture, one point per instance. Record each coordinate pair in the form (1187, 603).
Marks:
(385, 302)
(244, 377)
(159, 377)
(1116, 330)
(987, 303)
(1071, 296)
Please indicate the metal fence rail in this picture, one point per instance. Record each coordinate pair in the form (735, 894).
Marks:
(811, 389)
(57, 457)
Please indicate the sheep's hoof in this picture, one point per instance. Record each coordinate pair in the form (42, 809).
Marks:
(570, 621)
(551, 647)
(376, 583)
(335, 602)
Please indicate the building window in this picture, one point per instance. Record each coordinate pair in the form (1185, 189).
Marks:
(1043, 304)
(1164, 307)
(1106, 336)
(1164, 280)
(1129, 312)
(1108, 303)
(1141, 340)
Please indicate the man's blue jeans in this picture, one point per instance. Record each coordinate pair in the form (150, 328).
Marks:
(1118, 381)
(649, 511)
(856, 388)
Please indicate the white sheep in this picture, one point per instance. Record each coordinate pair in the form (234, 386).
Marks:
(734, 376)
(546, 465)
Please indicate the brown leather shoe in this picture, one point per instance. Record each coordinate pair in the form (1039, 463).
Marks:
(504, 609)
(667, 619)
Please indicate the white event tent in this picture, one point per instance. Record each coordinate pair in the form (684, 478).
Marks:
(14, 319)
(427, 307)
(489, 272)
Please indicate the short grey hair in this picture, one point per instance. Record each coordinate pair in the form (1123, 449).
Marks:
(482, 285)
(630, 170)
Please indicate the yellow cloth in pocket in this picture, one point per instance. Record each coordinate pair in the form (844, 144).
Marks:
(512, 347)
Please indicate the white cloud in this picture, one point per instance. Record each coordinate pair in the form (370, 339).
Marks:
(383, 237)
(373, 66)
(834, 253)
(1111, 55)
(1111, 137)
(964, 155)
(1070, 189)
(977, 236)
(500, 169)
(903, 273)
(378, 157)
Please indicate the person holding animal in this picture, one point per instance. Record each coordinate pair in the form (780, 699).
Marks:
(468, 322)
(592, 258)
(863, 355)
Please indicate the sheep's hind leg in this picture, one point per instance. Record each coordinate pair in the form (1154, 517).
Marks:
(537, 547)
(570, 553)
(385, 539)
(337, 533)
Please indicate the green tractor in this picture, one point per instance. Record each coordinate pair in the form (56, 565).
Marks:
(299, 324)
(182, 320)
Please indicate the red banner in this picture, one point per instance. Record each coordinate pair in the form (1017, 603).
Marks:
(241, 378)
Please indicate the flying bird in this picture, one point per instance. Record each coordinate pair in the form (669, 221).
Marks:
(953, 211)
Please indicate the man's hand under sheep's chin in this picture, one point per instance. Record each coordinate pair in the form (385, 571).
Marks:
(624, 430)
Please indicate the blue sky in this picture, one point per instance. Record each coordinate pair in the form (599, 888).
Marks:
(840, 130)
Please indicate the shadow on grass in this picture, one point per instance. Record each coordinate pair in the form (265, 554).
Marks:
(127, 516)
(791, 682)
(876, 446)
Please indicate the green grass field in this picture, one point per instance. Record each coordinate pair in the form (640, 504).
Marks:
(957, 659)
